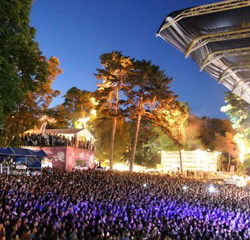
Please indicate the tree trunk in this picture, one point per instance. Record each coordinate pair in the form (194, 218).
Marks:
(132, 158)
(229, 162)
(112, 142)
(114, 128)
(179, 147)
(15, 129)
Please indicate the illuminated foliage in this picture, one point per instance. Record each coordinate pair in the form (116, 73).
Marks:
(22, 68)
(171, 115)
(102, 128)
(111, 81)
(146, 86)
(193, 130)
(60, 116)
(211, 127)
(35, 104)
(151, 141)
(226, 144)
(79, 107)
(237, 110)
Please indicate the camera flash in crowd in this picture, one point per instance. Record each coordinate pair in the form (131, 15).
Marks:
(211, 189)
(185, 188)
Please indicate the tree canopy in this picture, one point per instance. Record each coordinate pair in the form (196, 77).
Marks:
(35, 104)
(238, 112)
(79, 107)
(112, 77)
(146, 86)
(22, 67)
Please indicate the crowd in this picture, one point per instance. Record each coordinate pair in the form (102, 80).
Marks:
(120, 205)
(54, 140)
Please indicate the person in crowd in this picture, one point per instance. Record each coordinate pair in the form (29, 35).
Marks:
(100, 205)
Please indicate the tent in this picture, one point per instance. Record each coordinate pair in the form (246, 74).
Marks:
(22, 156)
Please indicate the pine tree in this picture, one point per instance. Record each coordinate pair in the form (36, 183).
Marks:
(112, 77)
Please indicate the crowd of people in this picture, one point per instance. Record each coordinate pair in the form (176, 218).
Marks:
(49, 140)
(96, 205)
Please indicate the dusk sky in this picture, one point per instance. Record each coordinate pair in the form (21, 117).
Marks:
(79, 31)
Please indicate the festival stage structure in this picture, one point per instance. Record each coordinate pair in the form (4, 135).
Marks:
(78, 134)
(21, 157)
(197, 160)
(77, 150)
(217, 37)
(66, 157)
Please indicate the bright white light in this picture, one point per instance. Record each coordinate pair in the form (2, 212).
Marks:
(238, 138)
(93, 100)
(124, 167)
(185, 187)
(144, 185)
(120, 167)
(211, 189)
(81, 123)
(197, 160)
(93, 112)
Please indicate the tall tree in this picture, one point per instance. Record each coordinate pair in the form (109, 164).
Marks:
(226, 144)
(57, 117)
(101, 128)
(21, 66)
(238, 112)
(193, 130)
(211, 127)
(216, 133)
(151, 141)
(171, 115)
(111, 77)
(146, 85)
(80, 106)
(36, 102)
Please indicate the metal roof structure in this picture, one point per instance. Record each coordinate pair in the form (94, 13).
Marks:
(217, 37)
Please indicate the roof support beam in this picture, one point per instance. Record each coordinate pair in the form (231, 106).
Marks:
(207, 38)
(244, 91)
(232, 70)
(238, 86)
(211, 57)
(206, 9)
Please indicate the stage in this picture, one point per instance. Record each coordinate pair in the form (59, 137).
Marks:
(66, 157)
